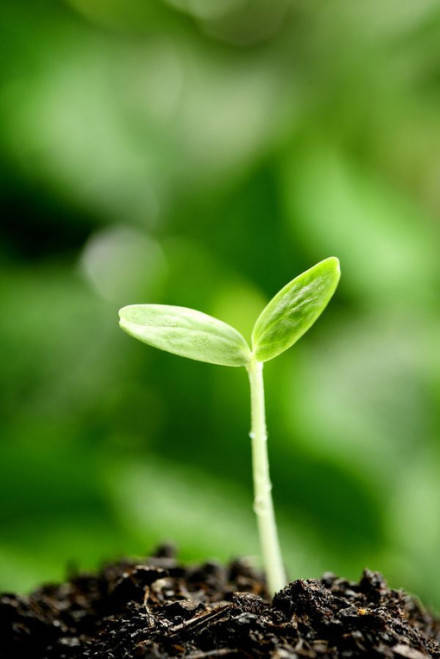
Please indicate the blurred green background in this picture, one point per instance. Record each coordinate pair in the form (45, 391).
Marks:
(202, 153)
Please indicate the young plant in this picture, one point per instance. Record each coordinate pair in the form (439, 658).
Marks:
(195, 335)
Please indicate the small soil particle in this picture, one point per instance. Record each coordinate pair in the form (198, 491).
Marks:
(159, 608)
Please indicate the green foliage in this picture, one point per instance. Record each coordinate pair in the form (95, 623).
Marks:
(294, 309)
(190, 333)
(193, 334)
(185, 332)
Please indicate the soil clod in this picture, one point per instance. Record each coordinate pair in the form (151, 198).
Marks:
(159, 608)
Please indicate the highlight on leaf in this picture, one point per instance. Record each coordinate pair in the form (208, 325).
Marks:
(185, 332)
(294, 309)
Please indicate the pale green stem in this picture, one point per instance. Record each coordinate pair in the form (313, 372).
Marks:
(263, 504)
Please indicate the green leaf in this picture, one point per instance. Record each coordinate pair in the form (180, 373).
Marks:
(185, 332)
(294, 309)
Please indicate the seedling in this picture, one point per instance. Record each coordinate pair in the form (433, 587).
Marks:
(195, 335)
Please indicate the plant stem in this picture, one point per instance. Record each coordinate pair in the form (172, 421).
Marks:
(263, 505)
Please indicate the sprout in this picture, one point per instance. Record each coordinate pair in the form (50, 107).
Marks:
(195, 335)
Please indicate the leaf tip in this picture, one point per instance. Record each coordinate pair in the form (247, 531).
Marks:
(123, 319)
(331, 268)
(334, 263)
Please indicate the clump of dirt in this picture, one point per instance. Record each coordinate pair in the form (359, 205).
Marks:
(159, 608)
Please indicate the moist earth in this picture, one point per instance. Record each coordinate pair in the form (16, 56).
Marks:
(159, 608)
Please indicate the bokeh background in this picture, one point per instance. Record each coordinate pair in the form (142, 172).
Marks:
(202, 153)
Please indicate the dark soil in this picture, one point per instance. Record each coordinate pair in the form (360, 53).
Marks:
(159, 608)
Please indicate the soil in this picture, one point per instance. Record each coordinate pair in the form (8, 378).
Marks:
(160, 608)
